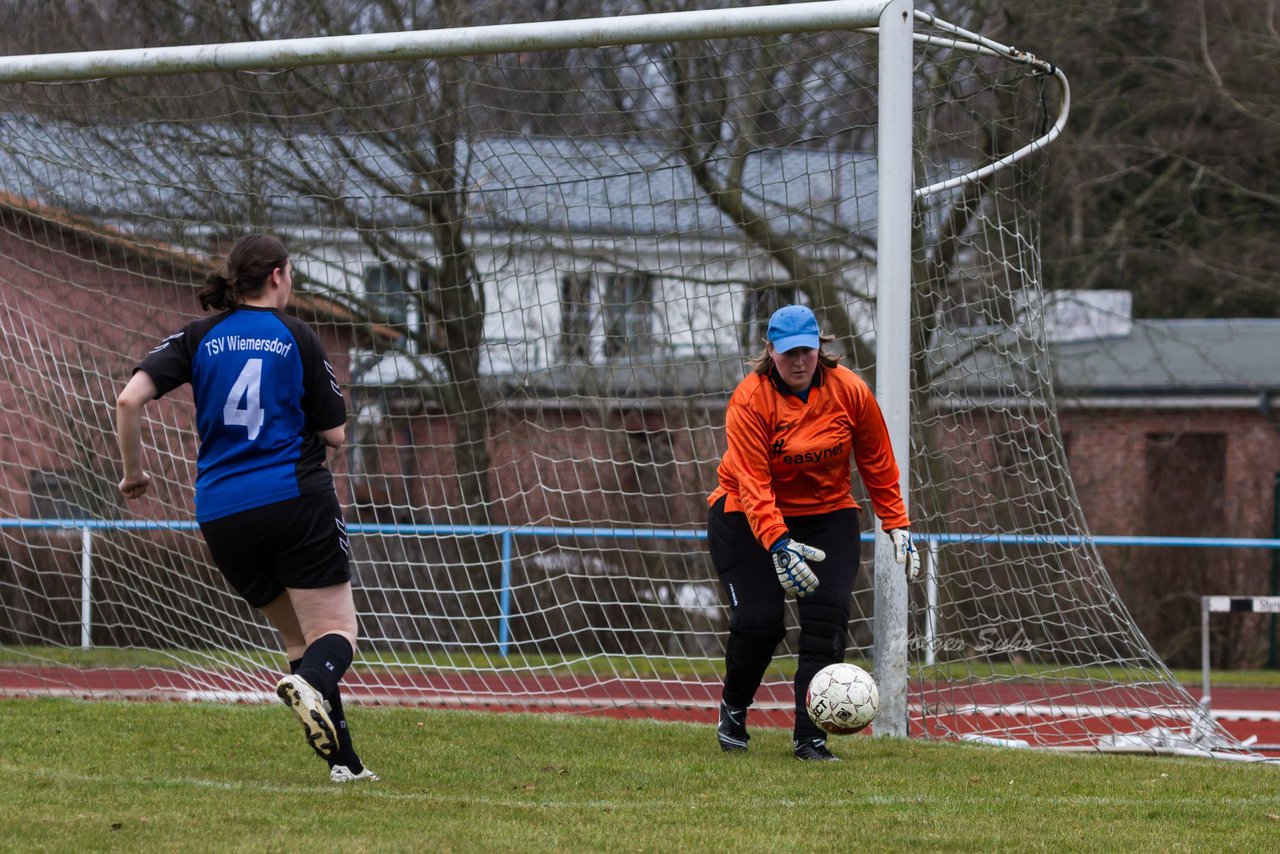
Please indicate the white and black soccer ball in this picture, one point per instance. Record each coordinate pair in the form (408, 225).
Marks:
(842, 699)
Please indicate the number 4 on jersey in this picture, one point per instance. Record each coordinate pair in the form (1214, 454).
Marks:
(245, 388)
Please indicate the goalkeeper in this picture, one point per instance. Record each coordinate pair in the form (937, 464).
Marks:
(783, 522)
(267, 407)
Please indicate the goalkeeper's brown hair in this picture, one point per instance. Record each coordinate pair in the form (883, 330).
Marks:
(249, 264)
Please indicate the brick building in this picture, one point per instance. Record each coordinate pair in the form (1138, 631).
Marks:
(1170, 429)
(80, 304)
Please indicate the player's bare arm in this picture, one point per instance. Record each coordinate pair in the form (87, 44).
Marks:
(136, 394)
(334, 436)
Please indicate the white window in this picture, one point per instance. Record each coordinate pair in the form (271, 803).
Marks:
(575, 316)
(622, 324)
(397, 295)
(386, 288)
(627, 309)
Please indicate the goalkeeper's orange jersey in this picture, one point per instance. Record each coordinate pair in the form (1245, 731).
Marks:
(791, 457)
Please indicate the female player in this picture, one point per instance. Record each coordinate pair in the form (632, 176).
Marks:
(267, 407)
(783, 522)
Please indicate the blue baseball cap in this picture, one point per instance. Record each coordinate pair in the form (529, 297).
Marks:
(793, 326)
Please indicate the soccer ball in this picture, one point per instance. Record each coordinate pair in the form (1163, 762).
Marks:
(842, 699)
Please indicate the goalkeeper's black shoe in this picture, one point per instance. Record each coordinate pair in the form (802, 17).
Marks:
(731, 732)
(814, 750)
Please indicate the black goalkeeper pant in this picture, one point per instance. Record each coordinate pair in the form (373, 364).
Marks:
(756, 601)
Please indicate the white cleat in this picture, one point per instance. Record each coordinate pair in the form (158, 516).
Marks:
(309, 706)
(343, 774)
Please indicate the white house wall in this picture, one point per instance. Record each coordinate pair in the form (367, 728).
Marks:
(699, 290)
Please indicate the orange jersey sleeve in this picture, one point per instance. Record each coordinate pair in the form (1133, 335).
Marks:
(790, 457)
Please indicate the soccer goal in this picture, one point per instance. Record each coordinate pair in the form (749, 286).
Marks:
(539, 255)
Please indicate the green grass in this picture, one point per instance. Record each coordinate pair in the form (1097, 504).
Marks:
(94, 776)
(638, 666)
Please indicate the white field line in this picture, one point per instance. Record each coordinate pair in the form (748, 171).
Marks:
(382, 790)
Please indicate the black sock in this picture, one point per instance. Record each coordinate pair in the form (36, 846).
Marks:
(324, 662)
(346, 754)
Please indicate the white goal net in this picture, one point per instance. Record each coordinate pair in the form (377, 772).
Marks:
(539, 265)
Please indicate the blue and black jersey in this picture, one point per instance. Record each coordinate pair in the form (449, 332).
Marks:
(263, 388)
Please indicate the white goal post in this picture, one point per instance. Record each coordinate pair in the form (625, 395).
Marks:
(543, 251)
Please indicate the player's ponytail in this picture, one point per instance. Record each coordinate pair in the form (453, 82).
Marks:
(218, 293)
(249, 264)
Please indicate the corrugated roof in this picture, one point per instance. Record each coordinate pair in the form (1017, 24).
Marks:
(575, 185)
(195, 266)
(1152, 358)
(1174, 357)
(580, 185)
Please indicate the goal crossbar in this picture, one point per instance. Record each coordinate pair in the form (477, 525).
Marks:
(457, 41)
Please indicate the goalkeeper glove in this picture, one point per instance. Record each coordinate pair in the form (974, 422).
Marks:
(794, 574)
(904, 552)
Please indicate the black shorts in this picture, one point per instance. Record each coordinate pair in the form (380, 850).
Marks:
(745, 567)
(301, 542)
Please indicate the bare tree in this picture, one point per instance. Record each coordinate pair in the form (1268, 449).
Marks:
(713, 112)
(1168, 183)
(384, 155)
(366, 150)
